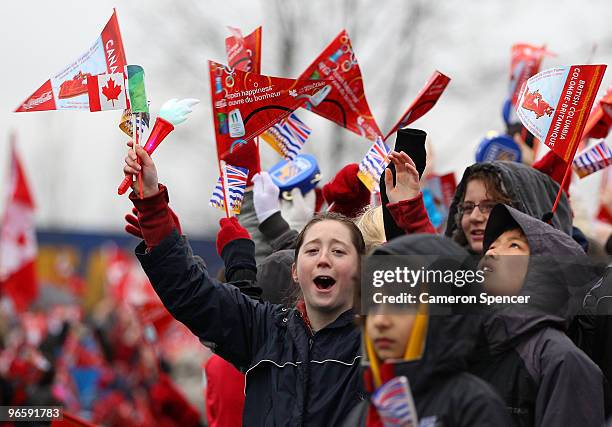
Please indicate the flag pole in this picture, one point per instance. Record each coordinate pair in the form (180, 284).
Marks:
(224, 187)
(568, 171)
(136, 142)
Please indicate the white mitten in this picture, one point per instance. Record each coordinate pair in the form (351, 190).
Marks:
(265, 196)
(300, 209)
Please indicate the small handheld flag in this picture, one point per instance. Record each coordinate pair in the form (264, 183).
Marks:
(287, 137)
(593, 159)
(106, 92)
(373, 164)
(236, 179)
(395, 405)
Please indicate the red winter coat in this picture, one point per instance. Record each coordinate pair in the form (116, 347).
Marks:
(224, 393)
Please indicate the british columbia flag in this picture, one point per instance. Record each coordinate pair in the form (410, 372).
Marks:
(236, 183)
(288, 136)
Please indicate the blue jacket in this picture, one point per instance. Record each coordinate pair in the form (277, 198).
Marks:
(293, 378)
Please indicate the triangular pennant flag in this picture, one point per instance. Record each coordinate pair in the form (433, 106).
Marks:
(107, 92)
(525, 62)
(246, 104)
(425, 100)
(287, 137)
(593, 159)
(67, 90)
(18, 246)
(373, 164)
(554, 105)
(346, 103)
(244, 53)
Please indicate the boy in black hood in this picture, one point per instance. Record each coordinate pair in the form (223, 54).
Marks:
(542, 376)
(427, 348)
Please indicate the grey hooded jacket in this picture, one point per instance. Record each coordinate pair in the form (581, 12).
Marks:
(542, 376)
(531, 191)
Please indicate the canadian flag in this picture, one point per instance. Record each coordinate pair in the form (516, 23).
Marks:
(18, 239)
(107, 92)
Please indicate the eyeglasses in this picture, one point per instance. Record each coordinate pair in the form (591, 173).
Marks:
(466, 208)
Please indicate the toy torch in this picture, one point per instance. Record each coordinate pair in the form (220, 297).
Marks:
(172, 113)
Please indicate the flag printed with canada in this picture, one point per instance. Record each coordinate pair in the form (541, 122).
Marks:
(554, 105)
(246, 104)
(107, 92)
(67, 90)
(344, 101)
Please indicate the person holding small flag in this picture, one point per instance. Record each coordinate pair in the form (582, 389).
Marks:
(301, 363)
(415, 361)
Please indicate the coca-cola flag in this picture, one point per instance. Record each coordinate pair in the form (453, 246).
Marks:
(425, 100)
(554, 105)
(67, 90)
(244, 53)
(246, 104)
(18, 246)
(345, 103)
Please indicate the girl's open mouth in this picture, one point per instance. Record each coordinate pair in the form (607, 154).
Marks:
(324, 282)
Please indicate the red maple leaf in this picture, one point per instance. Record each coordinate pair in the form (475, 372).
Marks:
(111, 91)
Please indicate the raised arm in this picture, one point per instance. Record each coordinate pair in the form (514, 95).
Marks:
(217, 313)
(405, 198)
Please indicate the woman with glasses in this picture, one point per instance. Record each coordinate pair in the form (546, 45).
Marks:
(486, 184)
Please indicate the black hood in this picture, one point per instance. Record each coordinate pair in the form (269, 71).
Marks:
(531, 191)
(450, 338)
(558, 276)
(274, 277)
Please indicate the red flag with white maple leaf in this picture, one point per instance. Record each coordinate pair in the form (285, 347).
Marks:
(18, 246)
(107, 92)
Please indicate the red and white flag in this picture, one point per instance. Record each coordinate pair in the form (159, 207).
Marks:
(18, 246)
(67, 90)
(107, 92)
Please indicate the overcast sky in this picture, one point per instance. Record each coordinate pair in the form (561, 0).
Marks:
(74, 159)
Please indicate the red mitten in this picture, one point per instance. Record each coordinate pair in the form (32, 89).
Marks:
(155, 217)
(230, 230)
(347, 193)
(133, 226)
(554, 166)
